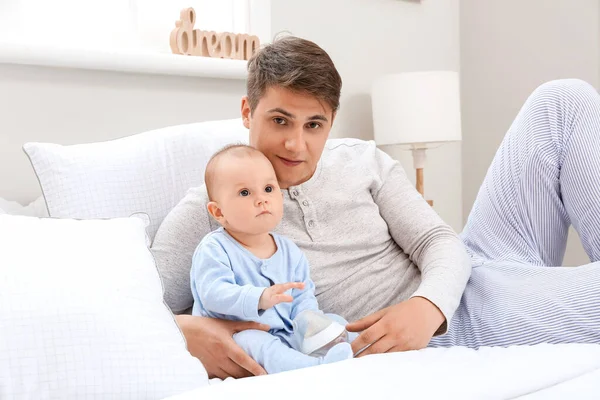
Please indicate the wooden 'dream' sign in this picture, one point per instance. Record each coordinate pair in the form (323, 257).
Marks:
(194, 42)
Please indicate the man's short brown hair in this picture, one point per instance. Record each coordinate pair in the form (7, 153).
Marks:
(295, 64)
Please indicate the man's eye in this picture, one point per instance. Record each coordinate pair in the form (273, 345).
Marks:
(279, 121)
(269, 189)
(314, 125)
(244, 193)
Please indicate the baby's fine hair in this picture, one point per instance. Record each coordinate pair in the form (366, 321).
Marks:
(236, 150)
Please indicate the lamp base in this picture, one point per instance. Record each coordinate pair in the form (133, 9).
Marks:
(419, 164)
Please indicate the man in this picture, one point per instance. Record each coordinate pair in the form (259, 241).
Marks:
(379, 255)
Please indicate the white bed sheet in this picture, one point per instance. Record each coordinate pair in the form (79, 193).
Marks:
(528, 372)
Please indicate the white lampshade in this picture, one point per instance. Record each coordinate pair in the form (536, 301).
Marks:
(416, 108)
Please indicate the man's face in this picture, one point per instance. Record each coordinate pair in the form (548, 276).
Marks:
(291, 129)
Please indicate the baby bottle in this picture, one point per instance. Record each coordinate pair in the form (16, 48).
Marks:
(317, 333)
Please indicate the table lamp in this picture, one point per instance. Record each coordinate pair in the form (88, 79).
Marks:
(419, 110)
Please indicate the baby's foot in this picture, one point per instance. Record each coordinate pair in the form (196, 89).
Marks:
(339, 352)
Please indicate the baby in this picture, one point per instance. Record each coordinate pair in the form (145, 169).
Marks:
(242, 271)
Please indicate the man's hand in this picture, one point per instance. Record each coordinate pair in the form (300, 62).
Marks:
(211, 341)
(275, 294)
(409, 325)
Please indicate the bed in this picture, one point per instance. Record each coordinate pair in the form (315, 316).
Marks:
(533, 372)
(176, 156)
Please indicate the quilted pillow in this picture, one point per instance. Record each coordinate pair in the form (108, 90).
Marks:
(70, 330)
(148, 172)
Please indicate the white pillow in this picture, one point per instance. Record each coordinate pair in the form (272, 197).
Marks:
(148, 172)
(82, 314)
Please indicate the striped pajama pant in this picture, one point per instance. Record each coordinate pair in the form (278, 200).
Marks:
(544, 177)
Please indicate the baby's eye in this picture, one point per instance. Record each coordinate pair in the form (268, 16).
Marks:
(269, 189)
(244, 192)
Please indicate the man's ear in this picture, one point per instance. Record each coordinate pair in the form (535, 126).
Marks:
(333, 114)
(246, 112)
(215, 211)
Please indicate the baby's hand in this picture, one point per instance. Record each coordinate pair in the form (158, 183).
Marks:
(275, 294)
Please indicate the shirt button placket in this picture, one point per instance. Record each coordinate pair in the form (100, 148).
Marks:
(311, 220)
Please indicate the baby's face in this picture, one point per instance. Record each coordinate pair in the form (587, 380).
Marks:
(248, 195)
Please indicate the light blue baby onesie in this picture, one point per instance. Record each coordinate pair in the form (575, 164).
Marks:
(227, 281)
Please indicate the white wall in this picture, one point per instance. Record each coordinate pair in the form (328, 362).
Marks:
(367, 38)
(76, 106)
(364, 38)
(508, 48)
